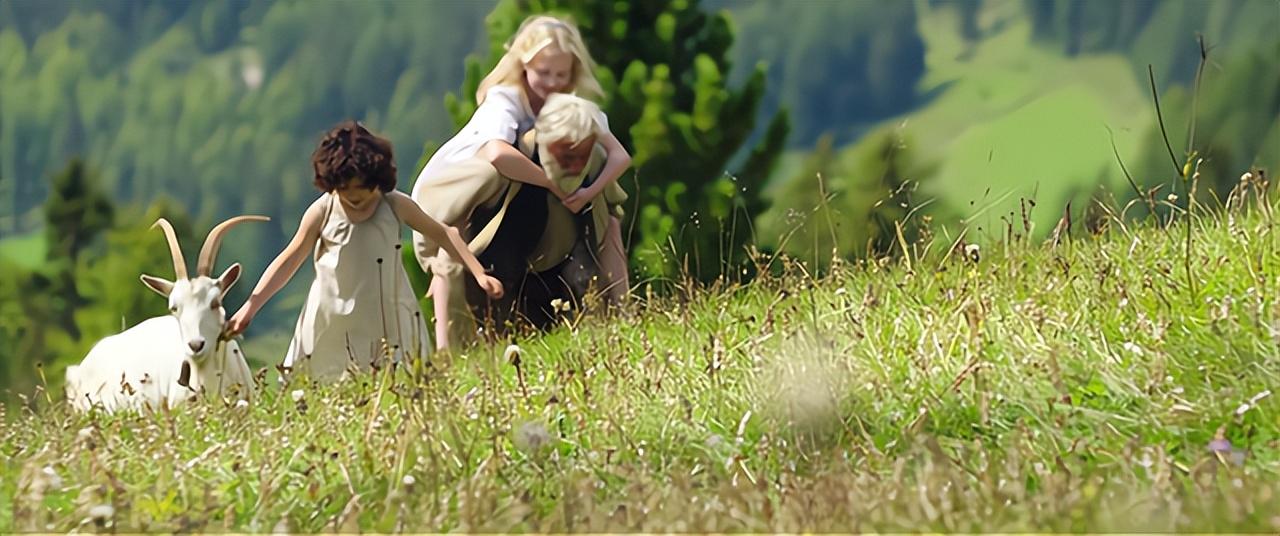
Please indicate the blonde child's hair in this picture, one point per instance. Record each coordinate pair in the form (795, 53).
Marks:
(566, 117)
(537, 33)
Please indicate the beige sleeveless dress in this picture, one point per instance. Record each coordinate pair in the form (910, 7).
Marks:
(357, 302)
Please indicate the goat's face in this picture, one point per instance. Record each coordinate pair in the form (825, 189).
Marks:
(197, 301)
(197, 304)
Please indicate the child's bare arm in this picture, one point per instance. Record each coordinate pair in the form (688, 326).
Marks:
(617, 162)
(281, 270)
(512, 163)
(448, 238)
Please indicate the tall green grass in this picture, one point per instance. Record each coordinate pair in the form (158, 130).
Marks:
(1081, 385)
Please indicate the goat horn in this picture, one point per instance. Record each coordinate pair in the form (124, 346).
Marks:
(211, 243)
(179, 262)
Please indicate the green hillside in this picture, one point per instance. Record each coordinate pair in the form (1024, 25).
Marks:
(1008, 116)
(1112, 382)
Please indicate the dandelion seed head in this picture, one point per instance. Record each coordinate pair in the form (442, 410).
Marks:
(532, 436)
(50, 479)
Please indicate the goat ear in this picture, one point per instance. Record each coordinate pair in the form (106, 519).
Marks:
(229, 277)
(161, 286)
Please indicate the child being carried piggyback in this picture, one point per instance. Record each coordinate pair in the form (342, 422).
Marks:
(546, 56)
(565, 139)
(360, 306)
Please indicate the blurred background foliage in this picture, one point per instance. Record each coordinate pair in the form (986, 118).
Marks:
(806, 127)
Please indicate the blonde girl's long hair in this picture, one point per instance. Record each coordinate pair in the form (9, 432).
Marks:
(537, 33)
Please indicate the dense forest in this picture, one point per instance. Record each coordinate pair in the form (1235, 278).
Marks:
(822, 121)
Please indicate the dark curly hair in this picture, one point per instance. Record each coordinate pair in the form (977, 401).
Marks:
(349, 152)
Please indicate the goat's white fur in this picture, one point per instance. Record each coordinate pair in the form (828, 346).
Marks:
(167, 360)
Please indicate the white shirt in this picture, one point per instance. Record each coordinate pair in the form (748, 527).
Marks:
(504, 115)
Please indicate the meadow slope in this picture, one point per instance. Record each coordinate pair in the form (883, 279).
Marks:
(1106, 382)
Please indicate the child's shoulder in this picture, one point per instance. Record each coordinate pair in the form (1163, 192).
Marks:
(396, 196)
(503, 93)
(322, 201)
(320, 205)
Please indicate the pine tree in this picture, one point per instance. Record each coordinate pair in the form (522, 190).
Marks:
(76, 212)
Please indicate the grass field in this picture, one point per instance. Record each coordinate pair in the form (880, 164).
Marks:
(1106, 383)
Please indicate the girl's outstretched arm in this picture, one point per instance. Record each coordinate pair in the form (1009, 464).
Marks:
(512, 163)
(618, 161)
(281, 270)
(448, 238)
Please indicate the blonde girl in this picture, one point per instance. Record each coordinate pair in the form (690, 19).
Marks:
(546, 56)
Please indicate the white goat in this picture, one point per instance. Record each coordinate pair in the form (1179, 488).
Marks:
(168, 360)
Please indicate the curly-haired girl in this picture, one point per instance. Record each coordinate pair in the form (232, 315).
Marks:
(360, 306)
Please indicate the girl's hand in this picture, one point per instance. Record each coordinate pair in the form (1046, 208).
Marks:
(556, 191)
(577, 200)
(491, 285)
(240, 321)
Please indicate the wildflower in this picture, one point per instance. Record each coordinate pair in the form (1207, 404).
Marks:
(101, 513)
(1133, 348)
(409, 481)
(242, 403)
(972, 251)
(512, 353)
(1223, 450)
(297, 395)
(1220, 445)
